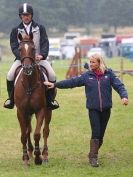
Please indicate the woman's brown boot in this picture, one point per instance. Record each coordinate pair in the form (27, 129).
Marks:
(93, 154)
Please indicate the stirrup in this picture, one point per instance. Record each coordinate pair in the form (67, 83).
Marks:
(8, 104)
(53, 105)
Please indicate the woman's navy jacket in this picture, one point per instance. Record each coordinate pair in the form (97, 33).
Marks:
(98, 91)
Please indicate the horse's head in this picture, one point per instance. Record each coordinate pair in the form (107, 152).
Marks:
(27, 53)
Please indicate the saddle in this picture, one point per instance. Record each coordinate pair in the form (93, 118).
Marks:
(42, 70)
(50, 93)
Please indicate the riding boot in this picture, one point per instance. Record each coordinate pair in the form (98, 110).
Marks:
(100, 142)
(9, 103)
(93, 154)
(51, 103)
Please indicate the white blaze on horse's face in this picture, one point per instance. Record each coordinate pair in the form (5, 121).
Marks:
(26, 47)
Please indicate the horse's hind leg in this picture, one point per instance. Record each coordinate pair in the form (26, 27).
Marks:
(30, 146)
(46, 131)
(37, 136)
(23, 126)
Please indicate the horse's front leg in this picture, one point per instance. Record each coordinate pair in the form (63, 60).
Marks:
(37, 136)
(46, 131)
(23, 126)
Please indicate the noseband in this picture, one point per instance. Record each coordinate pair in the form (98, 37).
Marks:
(28, 68)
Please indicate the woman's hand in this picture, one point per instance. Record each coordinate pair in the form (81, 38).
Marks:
(124, 101)
(49, 84)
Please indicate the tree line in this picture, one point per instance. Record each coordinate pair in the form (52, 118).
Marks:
(60, 14)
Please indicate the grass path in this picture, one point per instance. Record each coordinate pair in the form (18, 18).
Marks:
(70, 134)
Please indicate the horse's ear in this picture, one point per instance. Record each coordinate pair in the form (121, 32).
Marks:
(20, 36)
(31, 35)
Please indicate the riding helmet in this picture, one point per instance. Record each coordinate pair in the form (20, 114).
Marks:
(25, 9)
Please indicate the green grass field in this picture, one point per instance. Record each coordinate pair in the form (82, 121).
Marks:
(70, 133)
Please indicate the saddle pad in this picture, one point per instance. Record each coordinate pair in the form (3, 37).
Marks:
(18, 76)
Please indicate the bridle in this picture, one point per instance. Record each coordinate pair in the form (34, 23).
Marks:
(29, 65)
(27, 68)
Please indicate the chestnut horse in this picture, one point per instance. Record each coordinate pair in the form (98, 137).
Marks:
(30, 99)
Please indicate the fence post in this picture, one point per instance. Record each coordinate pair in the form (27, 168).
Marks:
(75, 66)
(0, 85)
(121, 68)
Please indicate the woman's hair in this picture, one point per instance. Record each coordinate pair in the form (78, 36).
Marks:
(102, 64)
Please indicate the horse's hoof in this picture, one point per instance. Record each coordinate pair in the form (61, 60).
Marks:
(38, 160)
(26, 163)
(45, 161)
(45, 158)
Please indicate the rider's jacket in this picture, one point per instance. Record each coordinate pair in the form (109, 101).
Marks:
(40, 39)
